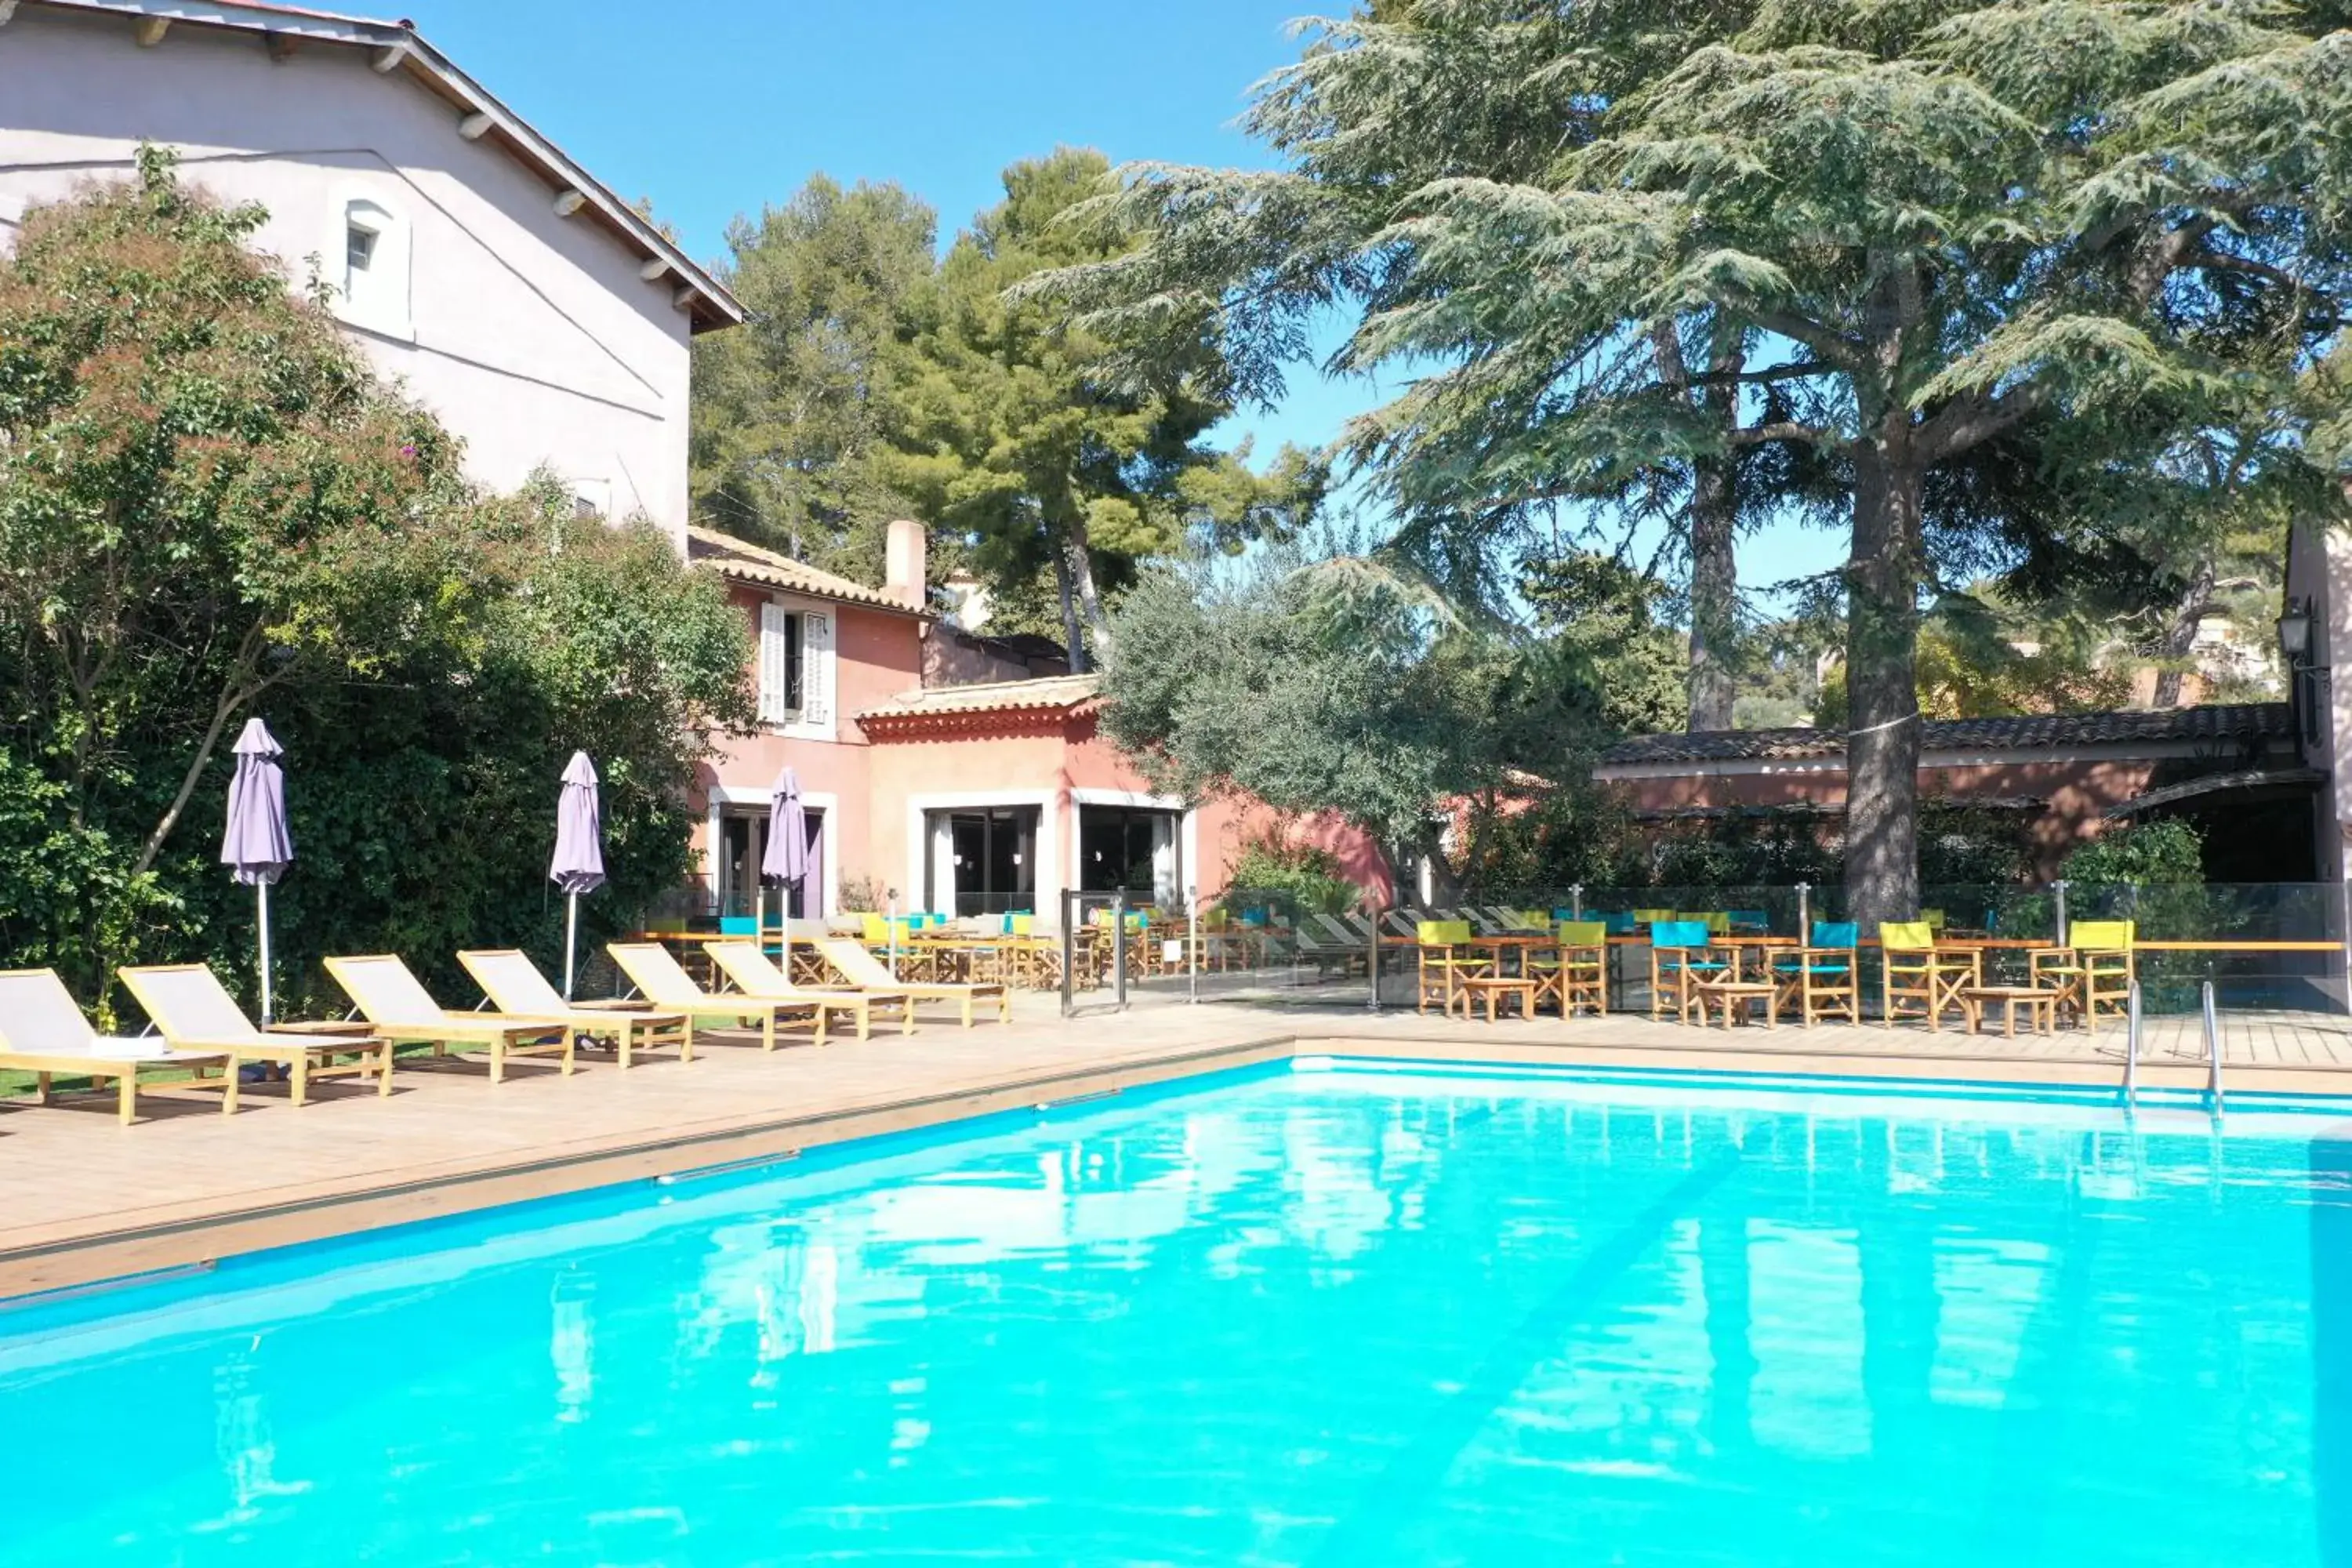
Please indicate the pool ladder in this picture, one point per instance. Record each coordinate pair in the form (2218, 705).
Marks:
(2214, 1098)
(2213, 1052)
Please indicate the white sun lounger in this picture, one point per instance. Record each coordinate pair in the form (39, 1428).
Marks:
(43, 1032)
(191, 1009)
(655, 972)
(389, 997)
(747, 967)
(861, 969)
(516, 987)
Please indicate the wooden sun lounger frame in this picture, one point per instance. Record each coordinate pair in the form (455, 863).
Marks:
(858, 1004)
(739, 1007)
(304, 1056)
(634, 1027)
(46, 1065)
(965, 994)
(503, 1035)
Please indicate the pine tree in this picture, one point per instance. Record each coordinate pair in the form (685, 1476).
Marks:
(1007, 430)
(787, 443)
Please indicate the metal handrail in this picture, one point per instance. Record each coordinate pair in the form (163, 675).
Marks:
(2131, 1046)
(2213, 1050)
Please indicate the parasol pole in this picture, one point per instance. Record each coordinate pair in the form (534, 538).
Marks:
(261, 896)
(571, 939)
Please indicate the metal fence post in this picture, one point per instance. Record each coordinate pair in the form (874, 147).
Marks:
(1193, 943)
(1372, 954)
(1576, 901)
(1804, 914)
(2345, 887)
(1119, 949)
(1070, 952)
(2059, 887)
(890, 918)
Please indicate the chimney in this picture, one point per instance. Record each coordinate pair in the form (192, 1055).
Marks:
(903, 563)
(967, 599)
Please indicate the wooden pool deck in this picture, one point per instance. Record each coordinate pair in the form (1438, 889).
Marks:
(87, 1200)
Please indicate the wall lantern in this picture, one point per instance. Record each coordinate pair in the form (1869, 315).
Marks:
(2294, 631)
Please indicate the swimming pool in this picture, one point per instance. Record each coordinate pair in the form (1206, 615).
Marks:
(1345, 1316)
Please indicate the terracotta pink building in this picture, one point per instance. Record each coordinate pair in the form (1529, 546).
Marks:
(938, 769)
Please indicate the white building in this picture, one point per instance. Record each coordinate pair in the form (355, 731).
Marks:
(545, 321)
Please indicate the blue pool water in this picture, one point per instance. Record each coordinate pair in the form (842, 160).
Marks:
(1331, 1318)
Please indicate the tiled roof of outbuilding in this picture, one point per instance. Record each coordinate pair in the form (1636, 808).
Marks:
(2031, 731)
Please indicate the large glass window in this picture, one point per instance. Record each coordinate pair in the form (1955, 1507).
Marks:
(743, 844)
(983, 861)
(1131, 847)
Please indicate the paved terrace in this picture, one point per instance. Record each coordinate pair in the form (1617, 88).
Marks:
(88, 1200)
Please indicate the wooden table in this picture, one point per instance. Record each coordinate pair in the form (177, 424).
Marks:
(1765, 946)
(2041, 1004)
(1728, 995)
(1493, 987)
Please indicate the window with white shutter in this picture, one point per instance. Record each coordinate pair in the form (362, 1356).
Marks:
(781, 665)
(816, 671)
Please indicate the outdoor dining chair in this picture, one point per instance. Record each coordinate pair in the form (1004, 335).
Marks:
(2093, 973)
(1445, 962)
(1916, 970)
(1822, 980)
(1681, 955)
(1581, 975)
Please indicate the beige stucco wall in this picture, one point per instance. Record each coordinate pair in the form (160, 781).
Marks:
(532, 335)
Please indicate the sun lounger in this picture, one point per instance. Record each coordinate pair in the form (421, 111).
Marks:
(747, 967)
(857, 966)
(43, 1032)
(191, 1009)
(389, 997)
(516, 987)
(655, 971)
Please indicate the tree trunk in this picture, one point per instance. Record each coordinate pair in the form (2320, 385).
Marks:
(1714, 517)
(1714, 521)
(2180, 638)
(1082, 575)
(1071, 640)
(1881, 749)
(1714, 592)
(240, 687)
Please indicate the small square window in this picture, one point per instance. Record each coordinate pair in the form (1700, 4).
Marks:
(359, 246)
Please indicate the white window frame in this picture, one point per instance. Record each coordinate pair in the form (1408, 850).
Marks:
(815, 621)
(384, 310)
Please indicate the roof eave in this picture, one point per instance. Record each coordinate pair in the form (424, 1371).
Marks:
(708, 304)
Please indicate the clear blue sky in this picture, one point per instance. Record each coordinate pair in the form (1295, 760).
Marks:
(715, 106)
